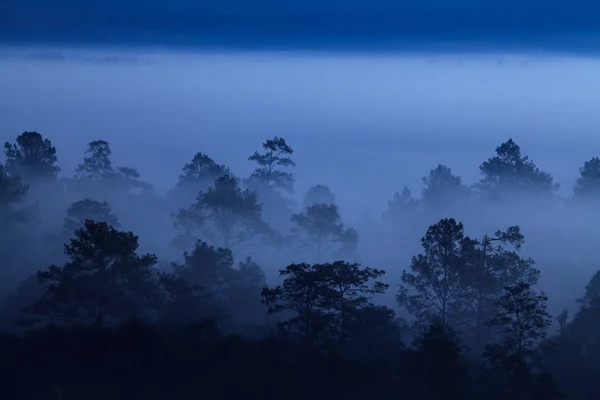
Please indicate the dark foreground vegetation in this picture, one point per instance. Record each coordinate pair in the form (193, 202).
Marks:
(103, 319)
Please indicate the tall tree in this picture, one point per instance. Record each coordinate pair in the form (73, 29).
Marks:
(402, 213)
(522, 322)
(494, 263)
(207, 267)
(318, 194)
(576, 353)
(523, 319)
(320, 229)
(12, 190)
(324, 299)
(13, 214)
(272, 182)
(196, 176)
(105, 282)
(225, 215)
(510, 175)
(440, 364)
(443, 191)
(591, 297)
(245, 291)
(32, 157)
(268, 173)
(85, 209)
(435, 289)
(210, 270)
(579, 341)
(97, 172)
(587, 186)
(227, 291)
(97, 163)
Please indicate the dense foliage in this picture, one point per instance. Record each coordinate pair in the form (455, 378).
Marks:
(201, 315)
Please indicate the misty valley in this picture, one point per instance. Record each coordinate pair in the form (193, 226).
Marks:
(240, 287)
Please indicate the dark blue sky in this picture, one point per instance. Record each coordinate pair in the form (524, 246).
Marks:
(307, 23)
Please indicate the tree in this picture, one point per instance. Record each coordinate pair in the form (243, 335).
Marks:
(320, 229)
(576, 353)
(402, 212)
(226, 215)
(509, 175)
(97, 163)
(105, 281)
(13, 215)
(324, 299)
(209, 272)
(12, 191)
(268, 173)
(509, 365)
(207, 267)
(247, 285)
(318, 194)
(97, 172)
(226, 291)
(587, 186)
(523, 318)
(87, 209)
(508, 376)
(196, 176)
(443, 190)
(435, 289)
(185, 303)
(591, 297)
(440, 364)
(494, 263)
(272, 183)
(32, 157)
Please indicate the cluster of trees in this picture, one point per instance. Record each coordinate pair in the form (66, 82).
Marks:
(102, 317)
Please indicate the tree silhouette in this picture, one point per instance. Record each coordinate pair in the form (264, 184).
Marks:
(523, 318)
(97, 163)
(32, 157)
(87, 209)
(443, 190)
(324, 299)
(587, 186)
(227, 291)
(435, 289)
(105, 281)
(509, 175)
(268, 173)
(208, 268)
(272, 183)
(97, 172)
(225, 215)
(14, 214)
(493, 264)
(440, 362)
(511, 368)
(210, 272)
(320, 229)
(402, 213)
(245, 299)
(318, 194)
(591, 297)
(12, 190)
(196, 176)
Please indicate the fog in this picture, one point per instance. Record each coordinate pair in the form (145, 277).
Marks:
(366, 125)
(407, 113)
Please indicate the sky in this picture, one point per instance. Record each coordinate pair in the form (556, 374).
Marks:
(552, 24)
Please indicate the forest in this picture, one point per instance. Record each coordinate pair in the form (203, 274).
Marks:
(229, 287)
